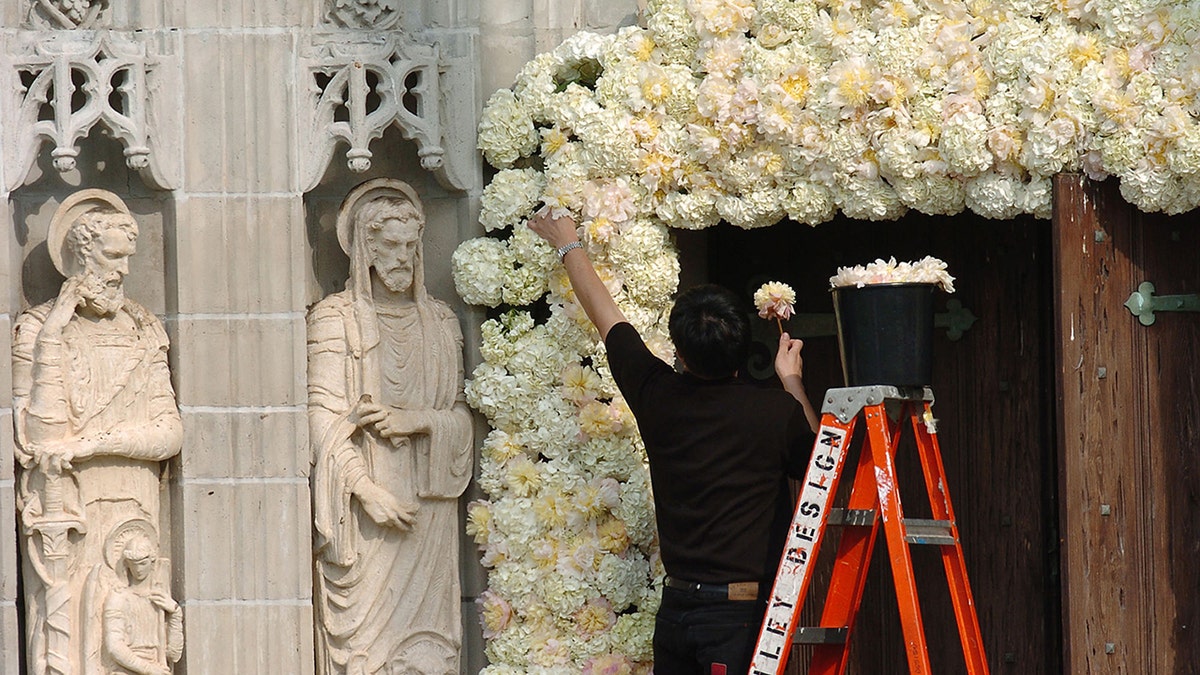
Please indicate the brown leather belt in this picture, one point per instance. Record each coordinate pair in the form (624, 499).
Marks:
(741, 590)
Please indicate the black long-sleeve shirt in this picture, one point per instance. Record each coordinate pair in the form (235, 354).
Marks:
(720, 452)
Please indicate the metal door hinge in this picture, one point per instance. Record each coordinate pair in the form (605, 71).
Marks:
(1142, 303)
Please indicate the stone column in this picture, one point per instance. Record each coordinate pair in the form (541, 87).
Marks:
(242, 521)
(10, 637)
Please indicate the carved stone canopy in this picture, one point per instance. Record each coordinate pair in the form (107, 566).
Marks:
(66, 14)
(374, 14)
(57, 89)
(359, 87)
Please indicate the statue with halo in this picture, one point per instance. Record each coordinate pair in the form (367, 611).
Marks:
(392, 450)
(95, 417)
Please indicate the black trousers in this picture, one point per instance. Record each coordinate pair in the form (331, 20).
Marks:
(703, 633)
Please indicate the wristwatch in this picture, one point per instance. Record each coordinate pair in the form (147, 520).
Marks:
(566, 248)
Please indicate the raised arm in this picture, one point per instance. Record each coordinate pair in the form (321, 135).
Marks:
(591, 292)
(789, 365)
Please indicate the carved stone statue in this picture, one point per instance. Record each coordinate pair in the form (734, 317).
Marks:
(392, 450)
(95, 416)
(143, 626)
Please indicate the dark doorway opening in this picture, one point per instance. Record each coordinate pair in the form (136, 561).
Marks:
(995, 403)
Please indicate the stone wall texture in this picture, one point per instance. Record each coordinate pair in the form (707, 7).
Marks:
(235, 244)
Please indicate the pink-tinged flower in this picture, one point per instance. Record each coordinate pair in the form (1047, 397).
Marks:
(613, 536)
(612, 200)
(853, 80)
(775, 300)
(595, 617)
(581, 385)
(608, 664)
(494, 612)
(494, 553)
(598, 420)
(549, 651)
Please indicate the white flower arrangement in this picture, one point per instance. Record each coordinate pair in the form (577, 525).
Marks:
(927, 270)
(750, 111)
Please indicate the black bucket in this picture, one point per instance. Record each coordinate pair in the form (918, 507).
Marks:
(885, 334)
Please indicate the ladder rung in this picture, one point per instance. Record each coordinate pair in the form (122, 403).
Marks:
(935, 532)
(851, 517)
(814, 635)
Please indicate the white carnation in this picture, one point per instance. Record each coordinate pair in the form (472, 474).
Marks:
(932, 194)
(789, 15)
(1051, 147)
(1183, 155)
(721, 17)
(608, 148)
(869, 199)
(1039, 197)
(688, 211)
(535, 85)
(673, 30)
(1147, 187)
(809, 203)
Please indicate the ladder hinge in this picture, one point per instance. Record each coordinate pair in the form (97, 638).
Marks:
(852, 517)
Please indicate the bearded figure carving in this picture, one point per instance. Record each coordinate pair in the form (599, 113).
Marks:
(392, 450)
(95, 418)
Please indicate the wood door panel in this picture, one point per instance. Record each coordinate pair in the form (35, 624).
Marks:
(1129, 434)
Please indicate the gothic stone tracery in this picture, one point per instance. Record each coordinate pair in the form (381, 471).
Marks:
(358, 88)
(67, 14)
(60, 87)
(372, 14)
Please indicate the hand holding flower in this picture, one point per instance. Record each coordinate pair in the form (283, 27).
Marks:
(789, 366)
(557, 231)
(788, 362)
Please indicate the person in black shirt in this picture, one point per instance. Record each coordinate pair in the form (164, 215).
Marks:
(720, 449)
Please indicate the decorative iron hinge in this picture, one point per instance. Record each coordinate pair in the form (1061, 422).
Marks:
(1142, 303)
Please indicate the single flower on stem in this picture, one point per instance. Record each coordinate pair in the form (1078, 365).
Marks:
(775, 300)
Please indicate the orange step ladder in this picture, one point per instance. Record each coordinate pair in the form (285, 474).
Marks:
(874, 499)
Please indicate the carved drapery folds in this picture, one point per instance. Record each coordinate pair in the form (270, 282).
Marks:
(358, 88)
(392, 444)
(376, 14)
(60, 88)
(66, 14)
(95, 417)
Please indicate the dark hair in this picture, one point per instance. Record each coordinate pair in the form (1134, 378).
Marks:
(710, 331)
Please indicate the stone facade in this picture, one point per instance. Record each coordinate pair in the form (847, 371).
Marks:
(233, 129)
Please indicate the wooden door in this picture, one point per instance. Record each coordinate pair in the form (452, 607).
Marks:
(1129, 402)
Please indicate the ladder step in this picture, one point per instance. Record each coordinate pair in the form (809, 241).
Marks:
(851, 517)
(932, 532)
(815, 635)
